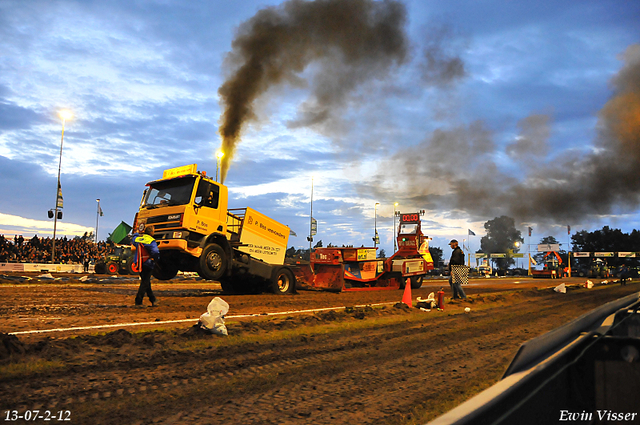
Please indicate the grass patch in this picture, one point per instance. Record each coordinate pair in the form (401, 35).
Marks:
(28, 368)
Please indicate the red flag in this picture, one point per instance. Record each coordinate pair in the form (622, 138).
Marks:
(568, 230)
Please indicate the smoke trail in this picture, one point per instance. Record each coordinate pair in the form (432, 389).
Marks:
(352, 41)
(458, 168)
(442, 64)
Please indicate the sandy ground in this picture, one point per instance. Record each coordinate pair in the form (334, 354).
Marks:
(382, 365)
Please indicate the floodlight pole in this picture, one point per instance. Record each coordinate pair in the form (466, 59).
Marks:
(55, 215)
(97, 218)
(311, 221)
(375, 225)
(395, 238)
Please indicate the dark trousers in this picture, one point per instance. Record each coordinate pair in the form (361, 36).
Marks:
(456, 288)
(145, 285)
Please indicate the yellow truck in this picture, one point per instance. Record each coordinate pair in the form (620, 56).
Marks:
(196, 231)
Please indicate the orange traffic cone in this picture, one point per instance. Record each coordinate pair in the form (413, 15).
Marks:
(406, 297)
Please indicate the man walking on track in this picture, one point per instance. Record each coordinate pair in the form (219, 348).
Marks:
(458, 272)
(147, 253)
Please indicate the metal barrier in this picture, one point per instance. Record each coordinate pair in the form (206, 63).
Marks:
(43, 267)
(584, 372)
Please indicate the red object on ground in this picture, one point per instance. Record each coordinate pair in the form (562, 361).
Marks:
(441, 299)
(406, 297)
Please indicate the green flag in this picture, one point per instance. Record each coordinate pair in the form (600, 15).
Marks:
(120, 232)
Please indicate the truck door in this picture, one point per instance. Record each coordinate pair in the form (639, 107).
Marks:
(210, 207)
(208, 195)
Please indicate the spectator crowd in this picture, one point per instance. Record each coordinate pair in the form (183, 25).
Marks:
(78, 250)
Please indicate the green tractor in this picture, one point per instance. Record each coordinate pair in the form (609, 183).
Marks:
(121, 261)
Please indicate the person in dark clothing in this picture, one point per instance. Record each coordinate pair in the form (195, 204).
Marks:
(624, 274)
(85, 262)
(147, 253)
(456, 272)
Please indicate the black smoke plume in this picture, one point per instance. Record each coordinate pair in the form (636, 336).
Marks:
(442, 65)
(350, 41)
(463, 169)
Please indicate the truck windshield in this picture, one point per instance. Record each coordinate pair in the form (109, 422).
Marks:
(170, 192)
(408, 228)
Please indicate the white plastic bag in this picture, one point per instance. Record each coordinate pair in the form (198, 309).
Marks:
(213, 319)
(430, 300)
(562, 288)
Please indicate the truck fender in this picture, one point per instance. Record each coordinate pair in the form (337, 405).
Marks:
(220, 239)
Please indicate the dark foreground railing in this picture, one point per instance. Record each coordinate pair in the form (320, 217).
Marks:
(585, 372)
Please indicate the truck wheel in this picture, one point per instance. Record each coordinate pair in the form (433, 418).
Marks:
(165, 270)
(132, 266)
(282, 281)
(112, 268)
(416, 282)
(213, 262)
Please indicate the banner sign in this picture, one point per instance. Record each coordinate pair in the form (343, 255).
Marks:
(11, 267)
(480, 255)
(180, 171)
(627, 254)
(603, 254)
(314, 227)
(498, 255)
(548, 247)
(581, 254)
(518, 255)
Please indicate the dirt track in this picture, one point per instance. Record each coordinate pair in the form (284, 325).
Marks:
(364, 365)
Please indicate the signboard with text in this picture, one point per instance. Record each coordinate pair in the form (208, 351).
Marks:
(546, 247)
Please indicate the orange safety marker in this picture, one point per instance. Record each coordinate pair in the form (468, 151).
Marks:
(406, 297)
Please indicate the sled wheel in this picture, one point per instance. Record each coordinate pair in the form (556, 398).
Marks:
(416, 282)
(282, 281)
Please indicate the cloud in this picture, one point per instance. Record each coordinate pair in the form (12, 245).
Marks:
(21, 226)
(14, 117)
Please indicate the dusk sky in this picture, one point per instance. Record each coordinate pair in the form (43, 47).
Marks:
(466, 109)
